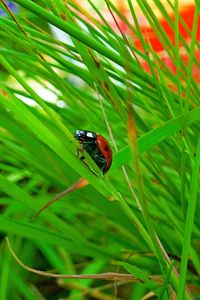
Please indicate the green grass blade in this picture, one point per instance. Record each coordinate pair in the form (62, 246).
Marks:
(189, 221)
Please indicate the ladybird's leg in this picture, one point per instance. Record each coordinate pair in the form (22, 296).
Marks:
(82, 158)
(100, 159)
(86, 147)
(80, 150)
(101, 162)
(80, 154)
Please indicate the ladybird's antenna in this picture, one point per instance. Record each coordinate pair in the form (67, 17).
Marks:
(77, 185)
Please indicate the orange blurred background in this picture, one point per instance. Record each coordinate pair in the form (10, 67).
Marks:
(186, 13)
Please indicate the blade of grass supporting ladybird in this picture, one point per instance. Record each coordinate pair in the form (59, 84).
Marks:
(52, 141)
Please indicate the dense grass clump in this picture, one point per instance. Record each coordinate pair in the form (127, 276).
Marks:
(134, 232)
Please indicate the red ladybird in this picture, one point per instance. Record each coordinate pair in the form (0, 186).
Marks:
(99, 150)
(97, 147)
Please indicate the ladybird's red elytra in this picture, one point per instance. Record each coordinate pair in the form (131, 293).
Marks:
(97, 147)
(105, 149)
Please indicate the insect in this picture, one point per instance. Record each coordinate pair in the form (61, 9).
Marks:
(97, 147)
(99, 150)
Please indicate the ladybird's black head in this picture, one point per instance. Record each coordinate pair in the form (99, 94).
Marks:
(85, 135)
(79, 133)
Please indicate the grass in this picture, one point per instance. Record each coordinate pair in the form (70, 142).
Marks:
(141, 218)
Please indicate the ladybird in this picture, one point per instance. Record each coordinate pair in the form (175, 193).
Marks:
(97, 147)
